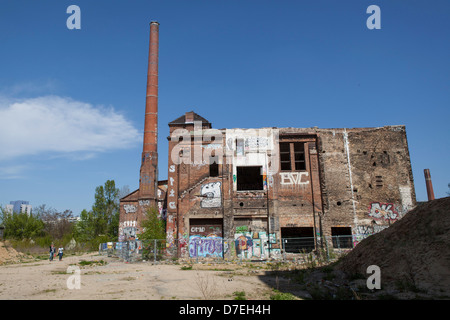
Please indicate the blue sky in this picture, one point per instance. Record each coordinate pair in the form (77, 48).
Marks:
(72, 101)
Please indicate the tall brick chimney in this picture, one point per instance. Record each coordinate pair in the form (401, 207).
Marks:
(148, 183)
(429, 185)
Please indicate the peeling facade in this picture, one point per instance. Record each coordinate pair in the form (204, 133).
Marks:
(270, 184)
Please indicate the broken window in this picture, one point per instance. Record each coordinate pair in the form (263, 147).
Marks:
(249, 178)
(292, 156)
(342, 237)
(298, 239)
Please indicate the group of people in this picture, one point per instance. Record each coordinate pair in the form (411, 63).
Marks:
(53, 251)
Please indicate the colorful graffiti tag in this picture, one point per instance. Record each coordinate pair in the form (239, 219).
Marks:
(383, 211)
(254, 244)
(200, 246)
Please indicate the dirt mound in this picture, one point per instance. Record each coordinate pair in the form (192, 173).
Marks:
(8, 254)
(414, 252)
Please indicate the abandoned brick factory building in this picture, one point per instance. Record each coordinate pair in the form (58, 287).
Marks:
(249, 191)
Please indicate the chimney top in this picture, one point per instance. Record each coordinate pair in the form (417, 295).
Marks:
(189, 116)
(154, 22)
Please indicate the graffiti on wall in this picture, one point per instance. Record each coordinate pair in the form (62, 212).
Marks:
(383, 211)
(255, 143)
(364, 231)
(210, 246)
(171, 196)
(254, 244)
(212, 195)
(293, 178)
(127, 230)
(145, 202)
(129, 208)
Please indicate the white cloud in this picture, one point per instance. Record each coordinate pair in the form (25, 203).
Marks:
(59, 125)
(12, 171)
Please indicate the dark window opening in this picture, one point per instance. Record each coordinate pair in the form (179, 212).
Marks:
(298, 239)
(342, 237)
(285, 156)
(213, 167)
(249, 178)
(292, 156)
(299, 153)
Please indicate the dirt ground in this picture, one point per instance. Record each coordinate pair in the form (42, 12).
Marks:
(414, 253)
(413, 256)
(115, 279)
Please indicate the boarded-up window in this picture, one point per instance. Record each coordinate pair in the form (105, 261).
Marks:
(206, 227)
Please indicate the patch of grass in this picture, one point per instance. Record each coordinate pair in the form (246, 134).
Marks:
(277, 295)
(48, 291)
(239, 295)
(59, 272)
(92, 262)
(186, 268)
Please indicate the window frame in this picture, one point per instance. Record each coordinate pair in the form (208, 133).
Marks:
(293, 151)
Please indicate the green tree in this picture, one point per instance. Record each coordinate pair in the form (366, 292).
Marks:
(153, 226)
(84, 229)
(103, 219)
(112, 209)
(21, 225)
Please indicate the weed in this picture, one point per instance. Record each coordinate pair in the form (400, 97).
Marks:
(206, 285)
(239, 295)
(186, 268)
(277, 295)
(92, 263)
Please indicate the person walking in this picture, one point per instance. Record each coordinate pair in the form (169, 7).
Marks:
(52, 252)
(60, 252)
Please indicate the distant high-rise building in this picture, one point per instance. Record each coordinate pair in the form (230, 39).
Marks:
(19, 206)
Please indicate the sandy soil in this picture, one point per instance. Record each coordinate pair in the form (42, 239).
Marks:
(118, 280)
(413, 253)
(413, 256)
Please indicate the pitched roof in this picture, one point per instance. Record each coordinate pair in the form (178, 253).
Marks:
(182, 119)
